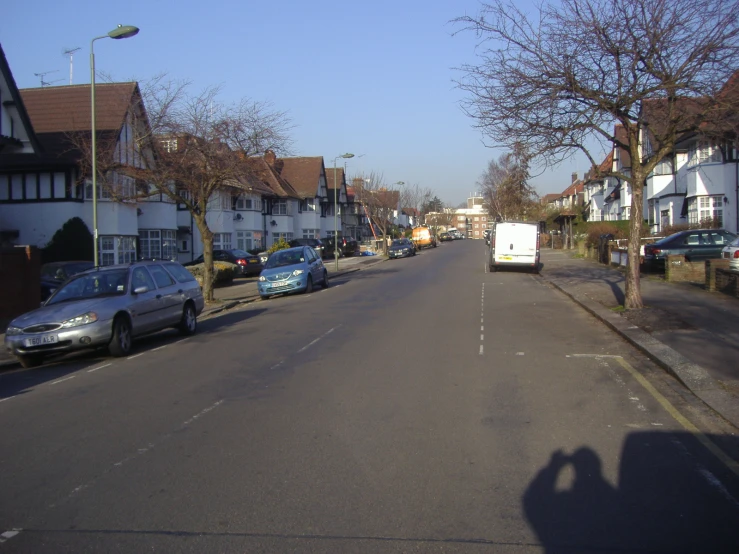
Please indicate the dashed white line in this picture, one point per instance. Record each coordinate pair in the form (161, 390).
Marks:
(62, 380)
(482, 327)
(98, 367)
(319, 338)
(481, 350)
(135, 356)
(482, 337)
(8, 398)
(9, 534)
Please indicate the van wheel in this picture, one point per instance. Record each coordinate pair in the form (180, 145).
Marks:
(120, 344)
(493, 269)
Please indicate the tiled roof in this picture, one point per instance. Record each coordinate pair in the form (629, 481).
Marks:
(16, 98)
(67, 108)
(330, 177)
(303, 174)
(268, 176)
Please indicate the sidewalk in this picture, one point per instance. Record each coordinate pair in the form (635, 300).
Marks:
(242, 290)
(691, 333)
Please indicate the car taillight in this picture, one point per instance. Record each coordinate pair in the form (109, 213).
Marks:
(651, 250)
(241, 262)
(736, 254)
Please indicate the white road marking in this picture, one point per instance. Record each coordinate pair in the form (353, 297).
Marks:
(319, 338)
(135, 356)
(592, 356)
(200, 414)
(482, 337)
(482, 327)
(715, 483)
(519, 353)
(481, 349)
(98, 367)
(8, 398)
(62, 380)
(278, 364)
(159, 348)
(9, 534)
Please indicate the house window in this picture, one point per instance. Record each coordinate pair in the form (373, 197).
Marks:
(169, 145)
(184, 246)
(150, 244)
(651, 211)
(663, 168)
(244, 240)
(247, 203)
(116, 250)
(287, 237)
(169, 244)
(626, 213)
(665, 218)
(461, 218)
(308, 205)
(222, 241)
(706, 209)
(703, 152)
(279, 207)
(311, 233)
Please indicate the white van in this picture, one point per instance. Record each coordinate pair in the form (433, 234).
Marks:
(514, 244)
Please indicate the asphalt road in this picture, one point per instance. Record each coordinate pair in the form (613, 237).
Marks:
(423, 405)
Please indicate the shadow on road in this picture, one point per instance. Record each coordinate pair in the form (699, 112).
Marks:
(669, 498)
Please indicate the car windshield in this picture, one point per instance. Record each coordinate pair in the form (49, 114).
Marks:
(398, 242)
(282, 258)
(112, 282)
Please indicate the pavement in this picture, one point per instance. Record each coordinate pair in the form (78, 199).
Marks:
(691, 333)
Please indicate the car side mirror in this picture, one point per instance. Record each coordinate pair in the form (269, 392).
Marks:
(141, 290)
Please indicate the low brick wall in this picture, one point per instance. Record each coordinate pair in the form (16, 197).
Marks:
(678, 269)
(719, 278)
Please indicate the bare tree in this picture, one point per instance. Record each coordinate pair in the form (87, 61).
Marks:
(380, 203)
(505, 187)
(414, 196)
(558, 81)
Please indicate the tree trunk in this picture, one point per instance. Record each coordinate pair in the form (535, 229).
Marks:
(633, 299)
(207, 238)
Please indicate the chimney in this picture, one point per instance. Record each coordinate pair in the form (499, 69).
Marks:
(574, 176)
(269, 157)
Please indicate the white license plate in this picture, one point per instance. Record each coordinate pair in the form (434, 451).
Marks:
(278, 285)
(505, 257)
(43, 339)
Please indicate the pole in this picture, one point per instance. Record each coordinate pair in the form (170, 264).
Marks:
(336, 223)
(94, 156)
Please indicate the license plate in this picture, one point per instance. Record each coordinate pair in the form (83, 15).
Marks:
(253, 261)
(43, 339)
(505, 257)
(278, 285)
(726, 254)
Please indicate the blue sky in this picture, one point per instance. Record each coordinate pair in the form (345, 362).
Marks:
(371, 78)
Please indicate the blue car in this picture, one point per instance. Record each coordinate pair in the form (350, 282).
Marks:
(292, 270)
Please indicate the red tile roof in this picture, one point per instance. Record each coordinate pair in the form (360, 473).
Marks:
(303, 173)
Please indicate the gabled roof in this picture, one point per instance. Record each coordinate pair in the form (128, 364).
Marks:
(270, 177)
(547, 198)
(17, 101)
(330, 177)
(68, 108)
(303, 173)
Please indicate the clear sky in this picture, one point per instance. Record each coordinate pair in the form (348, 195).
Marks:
(371, 78)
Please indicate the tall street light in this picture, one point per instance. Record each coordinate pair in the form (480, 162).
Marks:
(336, 221)
(397, 216)
(122, 31)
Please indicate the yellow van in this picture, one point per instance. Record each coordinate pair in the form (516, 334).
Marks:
(423, 238)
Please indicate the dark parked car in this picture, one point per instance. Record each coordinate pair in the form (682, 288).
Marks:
(249, 264)
(695, 245)
(347, 246)
(315, 244)
(445, 237)
(401, 248)
(54, 274)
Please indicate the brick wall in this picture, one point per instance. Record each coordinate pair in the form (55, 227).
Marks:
(20, 282)
(677, 269)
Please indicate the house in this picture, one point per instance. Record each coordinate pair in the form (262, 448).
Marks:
(40, 191)
(321, 193)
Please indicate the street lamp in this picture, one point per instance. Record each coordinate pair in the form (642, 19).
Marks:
(397, 208)
(122, 31)
(336, 221)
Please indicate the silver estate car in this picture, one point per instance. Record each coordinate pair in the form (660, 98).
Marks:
(108, 306)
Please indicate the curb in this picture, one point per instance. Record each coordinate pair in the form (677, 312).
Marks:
(691, 375)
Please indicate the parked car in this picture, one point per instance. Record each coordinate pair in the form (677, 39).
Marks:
(694, 244)
(445, 237)
(401, 248)
(731, 253)
(315, 244)
(108, 306)
(292, 270)
(248, 264)
(54, 274)
(347, 246)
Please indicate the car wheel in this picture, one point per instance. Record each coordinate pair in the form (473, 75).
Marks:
(309, 285)
(324, 284)
(189, 322)
(120, 344)
(30, 361)
(265, 296)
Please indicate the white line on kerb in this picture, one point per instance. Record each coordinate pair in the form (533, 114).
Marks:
(62, 380)
(98, 367)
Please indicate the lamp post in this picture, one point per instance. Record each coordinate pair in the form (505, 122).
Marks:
(336, 221)
(397, 216)
(122, 31)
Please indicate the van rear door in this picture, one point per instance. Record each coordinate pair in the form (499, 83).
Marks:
(515, 244)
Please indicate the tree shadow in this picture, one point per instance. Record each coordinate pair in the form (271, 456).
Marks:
(669, 498)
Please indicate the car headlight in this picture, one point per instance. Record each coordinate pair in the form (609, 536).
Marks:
(298, 272)
(84, 319)
(10, 331)
(262, 278)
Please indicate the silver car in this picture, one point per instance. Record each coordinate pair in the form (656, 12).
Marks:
(108, 306)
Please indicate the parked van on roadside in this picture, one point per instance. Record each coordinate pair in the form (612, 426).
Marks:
(514, 244)
(423, 238)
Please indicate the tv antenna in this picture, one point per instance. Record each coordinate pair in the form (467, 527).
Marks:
(44, 74)
(70, 52)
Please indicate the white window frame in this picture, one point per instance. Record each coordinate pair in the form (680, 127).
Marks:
(222, 241)
(244, 240)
